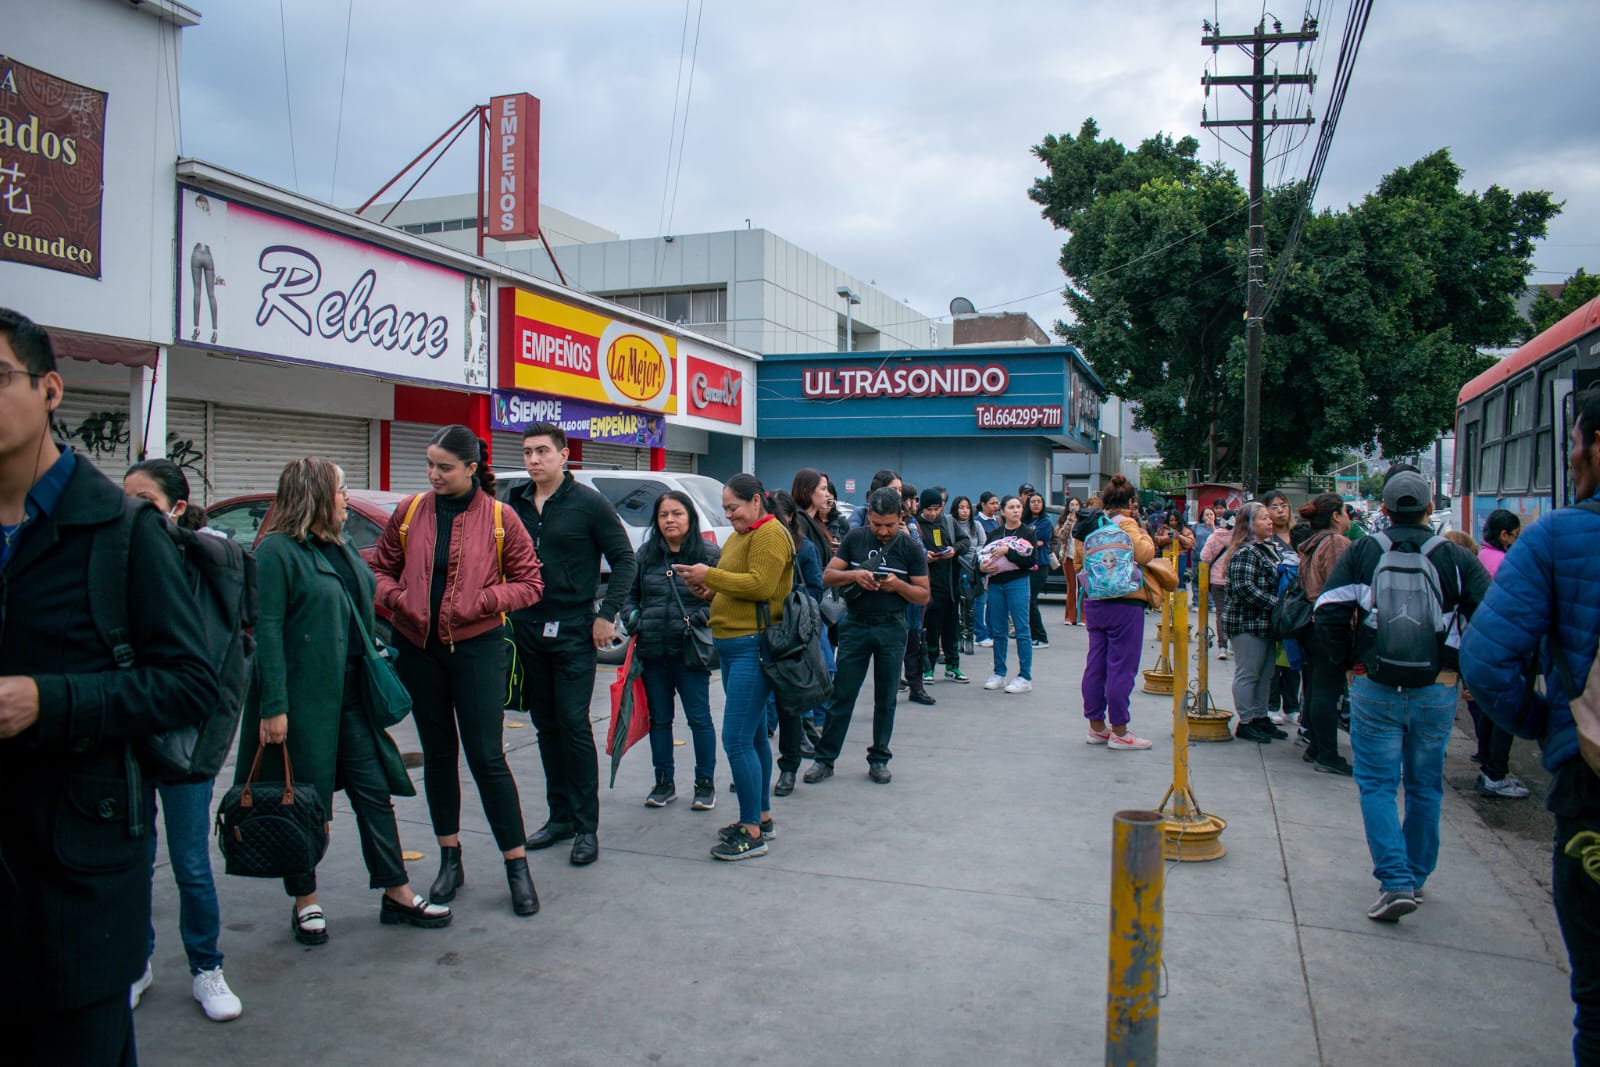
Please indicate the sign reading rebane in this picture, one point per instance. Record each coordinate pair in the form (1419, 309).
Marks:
(513, 196)
(945, 379)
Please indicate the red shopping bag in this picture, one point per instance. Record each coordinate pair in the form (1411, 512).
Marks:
(630, 709)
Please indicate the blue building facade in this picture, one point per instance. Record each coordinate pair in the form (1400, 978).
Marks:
(969, 418)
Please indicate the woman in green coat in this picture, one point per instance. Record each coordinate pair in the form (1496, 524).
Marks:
(307, 692)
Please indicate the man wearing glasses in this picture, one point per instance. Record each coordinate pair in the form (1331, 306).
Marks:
(75, 861)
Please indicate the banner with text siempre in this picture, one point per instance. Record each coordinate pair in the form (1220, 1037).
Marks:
(555, 348)
(578, 419)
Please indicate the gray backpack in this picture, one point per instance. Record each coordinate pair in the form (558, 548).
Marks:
(1406, 617)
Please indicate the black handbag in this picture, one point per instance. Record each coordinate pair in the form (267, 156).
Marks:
(387, 699)
(699, 653)
(272, 829)
(791, 653)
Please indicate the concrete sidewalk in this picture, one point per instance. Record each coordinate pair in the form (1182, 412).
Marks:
(955, 916)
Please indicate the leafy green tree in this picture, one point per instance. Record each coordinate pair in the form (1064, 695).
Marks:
(1375, 329)
(1578, 291)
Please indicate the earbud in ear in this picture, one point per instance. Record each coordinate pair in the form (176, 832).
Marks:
(49, 396)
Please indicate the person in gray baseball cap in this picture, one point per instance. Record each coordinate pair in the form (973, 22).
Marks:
(1392, 611)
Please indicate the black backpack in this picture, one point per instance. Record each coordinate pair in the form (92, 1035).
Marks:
(222, 580)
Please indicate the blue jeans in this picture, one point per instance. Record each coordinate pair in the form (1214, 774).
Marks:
(186, 810)
(1011, 598)
(744, 724)
(980, 615)
(661, 678)
(1399, 736)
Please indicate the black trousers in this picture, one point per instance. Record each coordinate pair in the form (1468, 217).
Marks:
(914, 657)
(1285, 693)
(360, 773)
(1035, 619)
(881, 641)
(941, 629)
(1494, 744)
(96, 1035)
(1324, 685)
(558, 683)
(1575, 800)
(458, 696)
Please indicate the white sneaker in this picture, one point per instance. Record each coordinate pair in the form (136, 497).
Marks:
(136, 990)
(1129, 740)
(1222, 653)
(1019, 684)
(987, 642)
(995, 681)
(1277, 718)
(216, 999)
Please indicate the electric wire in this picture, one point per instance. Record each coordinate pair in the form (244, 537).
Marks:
(344, 77)
(672, 130)
(688, 99)
(283, 40)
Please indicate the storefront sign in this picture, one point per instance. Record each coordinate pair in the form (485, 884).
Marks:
(561, 350)
(514, 167)
(1018, 417)
(945, 379)
(578, 419)
(715, 391)
(1083, 412)
(52, 147)
(250, 281)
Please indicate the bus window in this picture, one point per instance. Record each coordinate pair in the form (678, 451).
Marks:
(1494, 416)
(1489, 469)
(1544, 461)
(1522, 406)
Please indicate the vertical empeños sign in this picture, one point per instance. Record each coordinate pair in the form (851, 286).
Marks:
(513, 194)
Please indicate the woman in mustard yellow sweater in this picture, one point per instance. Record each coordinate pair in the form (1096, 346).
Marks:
(757, 565)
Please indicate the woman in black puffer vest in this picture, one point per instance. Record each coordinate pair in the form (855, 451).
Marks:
(655, 612)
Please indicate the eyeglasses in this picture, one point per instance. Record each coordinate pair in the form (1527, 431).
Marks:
(345, 489)
(8, 373)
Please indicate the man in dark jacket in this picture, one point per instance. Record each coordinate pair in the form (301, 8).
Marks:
(74, 858)
(573, 526)
(945, 543)
(1399, 726)
(1546, 600)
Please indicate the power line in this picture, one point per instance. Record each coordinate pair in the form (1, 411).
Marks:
(688, 98)
(283, 40)
(344, 77)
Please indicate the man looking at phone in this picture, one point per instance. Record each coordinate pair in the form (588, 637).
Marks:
(881, 570)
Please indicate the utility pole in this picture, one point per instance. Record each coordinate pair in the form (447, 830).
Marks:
(1258, 85)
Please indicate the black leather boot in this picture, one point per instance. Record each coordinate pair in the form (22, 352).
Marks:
(524, 898)
(451, 877)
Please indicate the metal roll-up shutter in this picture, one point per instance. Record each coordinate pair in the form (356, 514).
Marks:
(599, 455)
(187, 445)
(507, 449)
(97, 427)
(249, 448)
(680, 462)
(408, 456)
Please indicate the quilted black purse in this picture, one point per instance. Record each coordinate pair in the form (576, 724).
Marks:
(272, 829)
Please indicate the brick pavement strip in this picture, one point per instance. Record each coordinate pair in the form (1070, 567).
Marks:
(958, 915)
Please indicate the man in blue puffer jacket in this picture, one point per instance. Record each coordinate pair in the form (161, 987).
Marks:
(1547, 598)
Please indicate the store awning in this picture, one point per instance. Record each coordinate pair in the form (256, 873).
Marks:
(91, 347)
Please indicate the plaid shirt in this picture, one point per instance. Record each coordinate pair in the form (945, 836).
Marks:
(1252, 589)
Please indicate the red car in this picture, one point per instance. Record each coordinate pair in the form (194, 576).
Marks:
(242, 517)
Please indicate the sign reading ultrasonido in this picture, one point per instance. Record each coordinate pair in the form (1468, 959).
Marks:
(555, 348)
(948, 379)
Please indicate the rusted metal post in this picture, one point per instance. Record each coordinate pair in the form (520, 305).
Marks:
(1134, 967)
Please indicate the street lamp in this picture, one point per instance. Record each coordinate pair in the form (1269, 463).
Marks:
(850, 298)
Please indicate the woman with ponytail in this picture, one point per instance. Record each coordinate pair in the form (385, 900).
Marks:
(450, 564)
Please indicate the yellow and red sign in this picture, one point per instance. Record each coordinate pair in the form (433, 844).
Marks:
(555, 348)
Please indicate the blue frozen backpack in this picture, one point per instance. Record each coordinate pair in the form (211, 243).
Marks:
(1109, 570)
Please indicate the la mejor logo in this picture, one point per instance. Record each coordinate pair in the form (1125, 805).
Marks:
(635, 371)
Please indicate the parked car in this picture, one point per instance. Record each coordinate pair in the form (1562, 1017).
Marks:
(241, 519)
(633, 494)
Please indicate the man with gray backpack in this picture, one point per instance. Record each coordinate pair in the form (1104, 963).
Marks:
(1392, 611)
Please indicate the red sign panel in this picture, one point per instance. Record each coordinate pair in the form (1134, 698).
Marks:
(715, 391)
(513, 200)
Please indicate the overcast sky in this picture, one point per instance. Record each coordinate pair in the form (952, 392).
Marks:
(891, 138)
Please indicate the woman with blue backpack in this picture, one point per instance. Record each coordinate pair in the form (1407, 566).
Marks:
(1116, 593)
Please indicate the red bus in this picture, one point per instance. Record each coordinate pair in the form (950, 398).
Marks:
(1513, 423)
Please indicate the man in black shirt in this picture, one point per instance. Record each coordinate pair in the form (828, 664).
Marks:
(572, 526)
(943, 541)
(882, 570)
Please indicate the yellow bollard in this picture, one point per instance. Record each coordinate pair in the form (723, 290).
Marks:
(1191, 833)
(1134, 960)
(1207, 721)
(1158, 679)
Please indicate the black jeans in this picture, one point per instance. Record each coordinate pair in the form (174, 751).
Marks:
(1494, 744)
(1324, 685)
(913, 657)
(558, 683)
(360, 774)
(941, 628)
(1575, 800)
(1285, 690)
(100, 1033)
(1035, 619)
(881, 640)
(458, 696)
